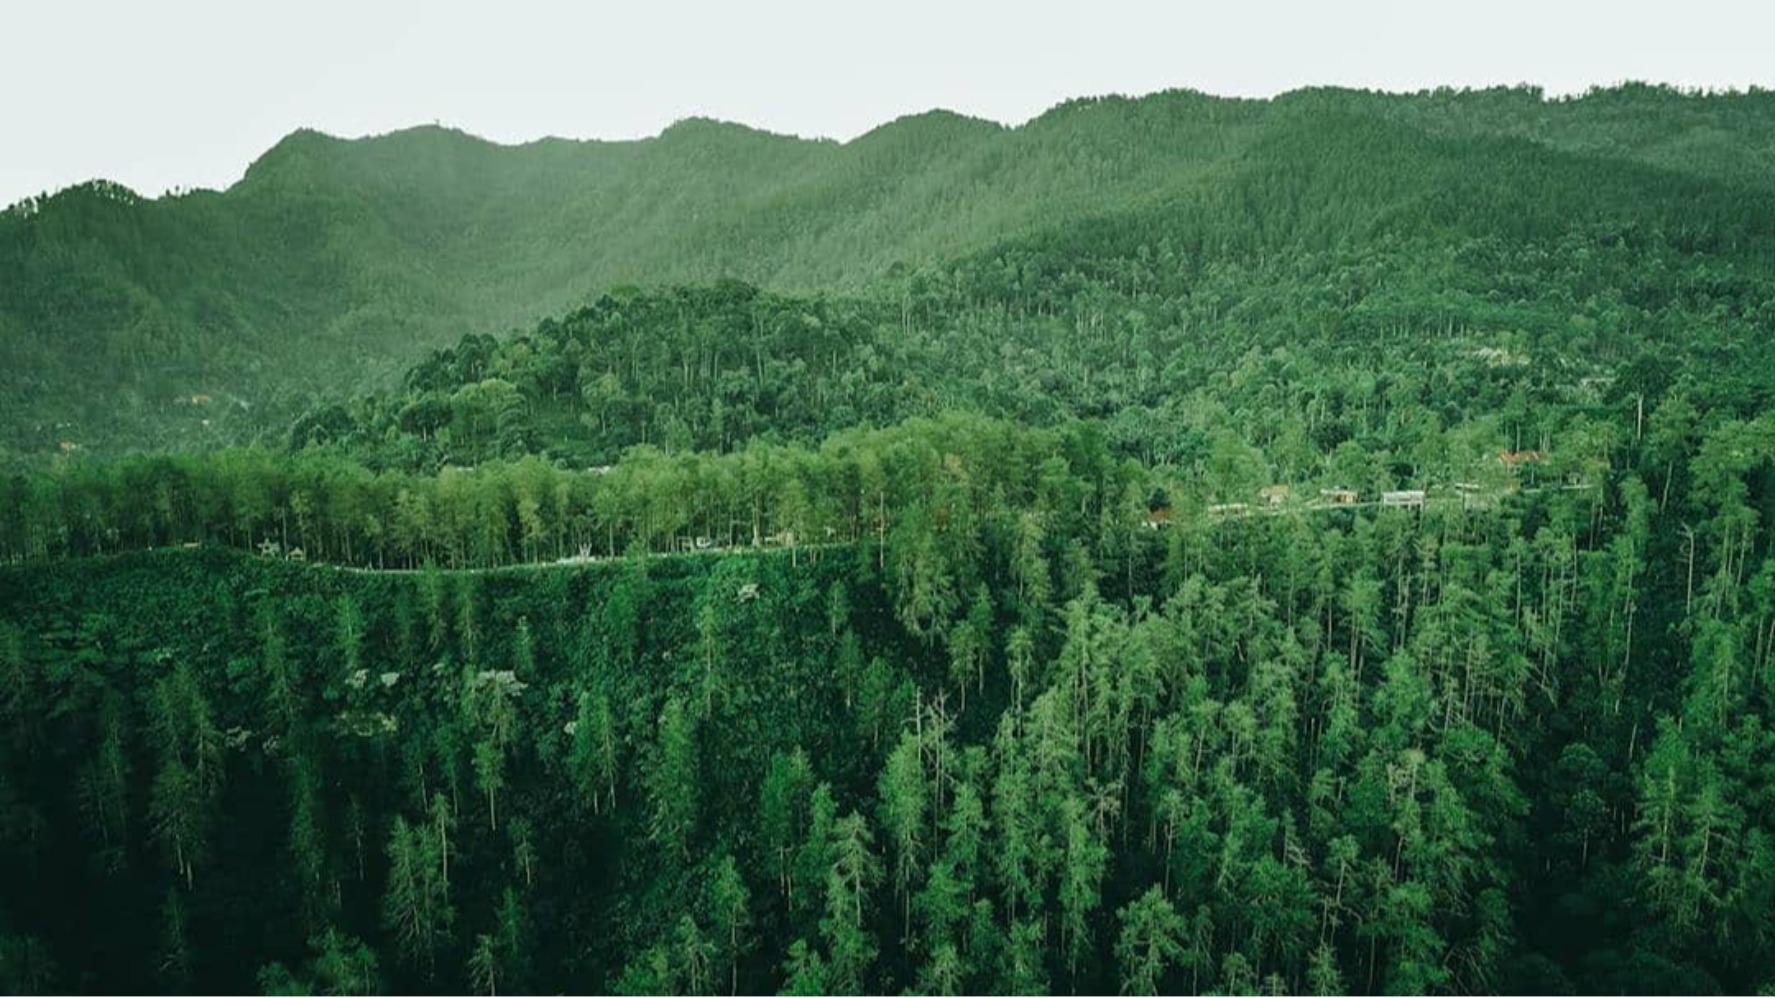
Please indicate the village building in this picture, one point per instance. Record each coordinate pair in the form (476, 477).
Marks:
(1403, 498)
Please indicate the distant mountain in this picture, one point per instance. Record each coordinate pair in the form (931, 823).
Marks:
(209, 317)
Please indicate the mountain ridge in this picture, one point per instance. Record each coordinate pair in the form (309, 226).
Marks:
(334, 262)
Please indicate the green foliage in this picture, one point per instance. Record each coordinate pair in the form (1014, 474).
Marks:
(416, 910)
(208, 318)
(1151, 943)
(340, 965)
(993, 622)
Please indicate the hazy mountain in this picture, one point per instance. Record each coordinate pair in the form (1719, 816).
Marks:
(333, 262)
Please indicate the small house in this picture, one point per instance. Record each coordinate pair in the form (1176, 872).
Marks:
(1274, 495)
(1338, 497)
(1404, 498)
(1156, 518)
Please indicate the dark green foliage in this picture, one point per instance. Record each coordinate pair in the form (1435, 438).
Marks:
(1356, 775)
(975, 625)
(211, 318)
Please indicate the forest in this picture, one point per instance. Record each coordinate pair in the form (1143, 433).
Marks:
(1327, 555)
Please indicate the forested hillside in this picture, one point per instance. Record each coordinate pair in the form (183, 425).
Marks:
(990, 730)
(333, 264)
(1177, 545)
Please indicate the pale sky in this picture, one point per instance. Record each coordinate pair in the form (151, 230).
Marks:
(161, 93)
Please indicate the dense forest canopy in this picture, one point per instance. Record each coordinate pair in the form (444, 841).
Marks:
(333, 264)
(1180, 544)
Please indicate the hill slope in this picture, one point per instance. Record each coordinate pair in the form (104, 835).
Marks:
(1309, 546)
(333, 263)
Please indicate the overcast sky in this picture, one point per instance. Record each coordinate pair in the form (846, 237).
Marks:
(188, 92)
